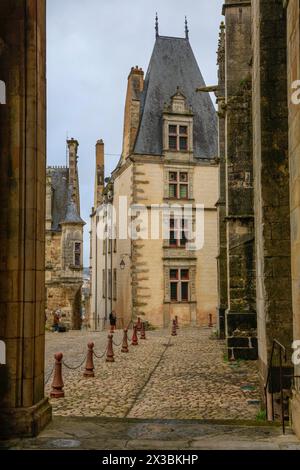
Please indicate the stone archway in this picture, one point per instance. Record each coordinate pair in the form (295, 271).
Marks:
(24, 410)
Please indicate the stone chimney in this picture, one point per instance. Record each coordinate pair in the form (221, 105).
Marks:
(132, 109)
(73, 175)
(99, 174)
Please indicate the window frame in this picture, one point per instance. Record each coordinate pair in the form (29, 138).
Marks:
(182, 132)
(178, 184)
(104, 283)
(177, 225)
(115, 284)
(179, 281)
(75, 253)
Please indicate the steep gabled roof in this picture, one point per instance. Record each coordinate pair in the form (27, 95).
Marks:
(64, 209)
(71, 212)
(173, 65)
(60, 185)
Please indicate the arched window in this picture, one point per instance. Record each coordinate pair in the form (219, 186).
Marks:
(2, 92)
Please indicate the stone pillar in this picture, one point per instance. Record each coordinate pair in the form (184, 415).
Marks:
(241, 312)
(293, 67)
(221, 204)
(271, 178)
(24, 411)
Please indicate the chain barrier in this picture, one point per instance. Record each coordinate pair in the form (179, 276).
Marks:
(77, 367)
(101, 355)
(117, 344)
(50, 375)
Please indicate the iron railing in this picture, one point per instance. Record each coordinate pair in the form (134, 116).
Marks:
(269, 386)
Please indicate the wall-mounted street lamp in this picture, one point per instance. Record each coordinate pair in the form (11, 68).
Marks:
(122, 263)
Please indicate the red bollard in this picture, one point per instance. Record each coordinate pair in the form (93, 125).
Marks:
(125, 343)
(143, 331)
(110, 351)
(57, 384)
(174, 332)
(134, 341)
(210, 323)
(139, 324)
(89, 367)
(177, 323)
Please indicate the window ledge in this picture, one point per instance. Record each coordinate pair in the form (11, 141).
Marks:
(179, 199)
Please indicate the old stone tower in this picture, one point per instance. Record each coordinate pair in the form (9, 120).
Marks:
(169, 157)
(64, 239)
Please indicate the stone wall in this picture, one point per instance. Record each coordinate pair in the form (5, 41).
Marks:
(271, 178)
(241, 314)
(293, 67)
(221, 204)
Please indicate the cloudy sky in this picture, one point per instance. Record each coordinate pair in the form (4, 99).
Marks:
(92, 45)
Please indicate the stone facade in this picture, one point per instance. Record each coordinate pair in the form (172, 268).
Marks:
(293, 68)
(271, 167)
(240, 319)
(134, 276)
(221, 204)
(64, 241)
(272, 60)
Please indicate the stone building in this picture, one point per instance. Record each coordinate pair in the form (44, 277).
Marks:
(259, 159)
(275, 71)
(169, 157)
(64, 240)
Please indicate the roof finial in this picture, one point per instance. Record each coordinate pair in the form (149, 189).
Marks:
(186, 29)
(156, 26)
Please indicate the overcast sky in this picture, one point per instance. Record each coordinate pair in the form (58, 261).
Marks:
(92, 46)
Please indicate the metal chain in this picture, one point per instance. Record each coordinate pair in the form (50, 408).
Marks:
(117, 344)
(77, 367)
(49, 376)
(101, 356)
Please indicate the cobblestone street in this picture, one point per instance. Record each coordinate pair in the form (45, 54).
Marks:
(183, 377)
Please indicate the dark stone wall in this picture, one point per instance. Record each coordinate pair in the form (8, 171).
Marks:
(241, 312)
(271, 169)
(221, 205)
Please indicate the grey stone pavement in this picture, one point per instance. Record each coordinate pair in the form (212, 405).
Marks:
(182, 377)
(74, 433)
(168, 393)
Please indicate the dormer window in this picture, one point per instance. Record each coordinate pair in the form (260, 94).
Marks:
(178, 138)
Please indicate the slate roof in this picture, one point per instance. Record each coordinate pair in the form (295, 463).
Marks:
(63, 208)
(71, 216)
(173, 65)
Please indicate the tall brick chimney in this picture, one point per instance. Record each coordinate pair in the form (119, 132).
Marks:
(132, 109)
(99, 174)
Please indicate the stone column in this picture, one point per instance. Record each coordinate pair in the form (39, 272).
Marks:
(271, 178)
(293, 67)
(221, 204)
(241, 312)
(24, 411)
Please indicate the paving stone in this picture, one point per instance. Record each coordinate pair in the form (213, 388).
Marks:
(188, 380)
